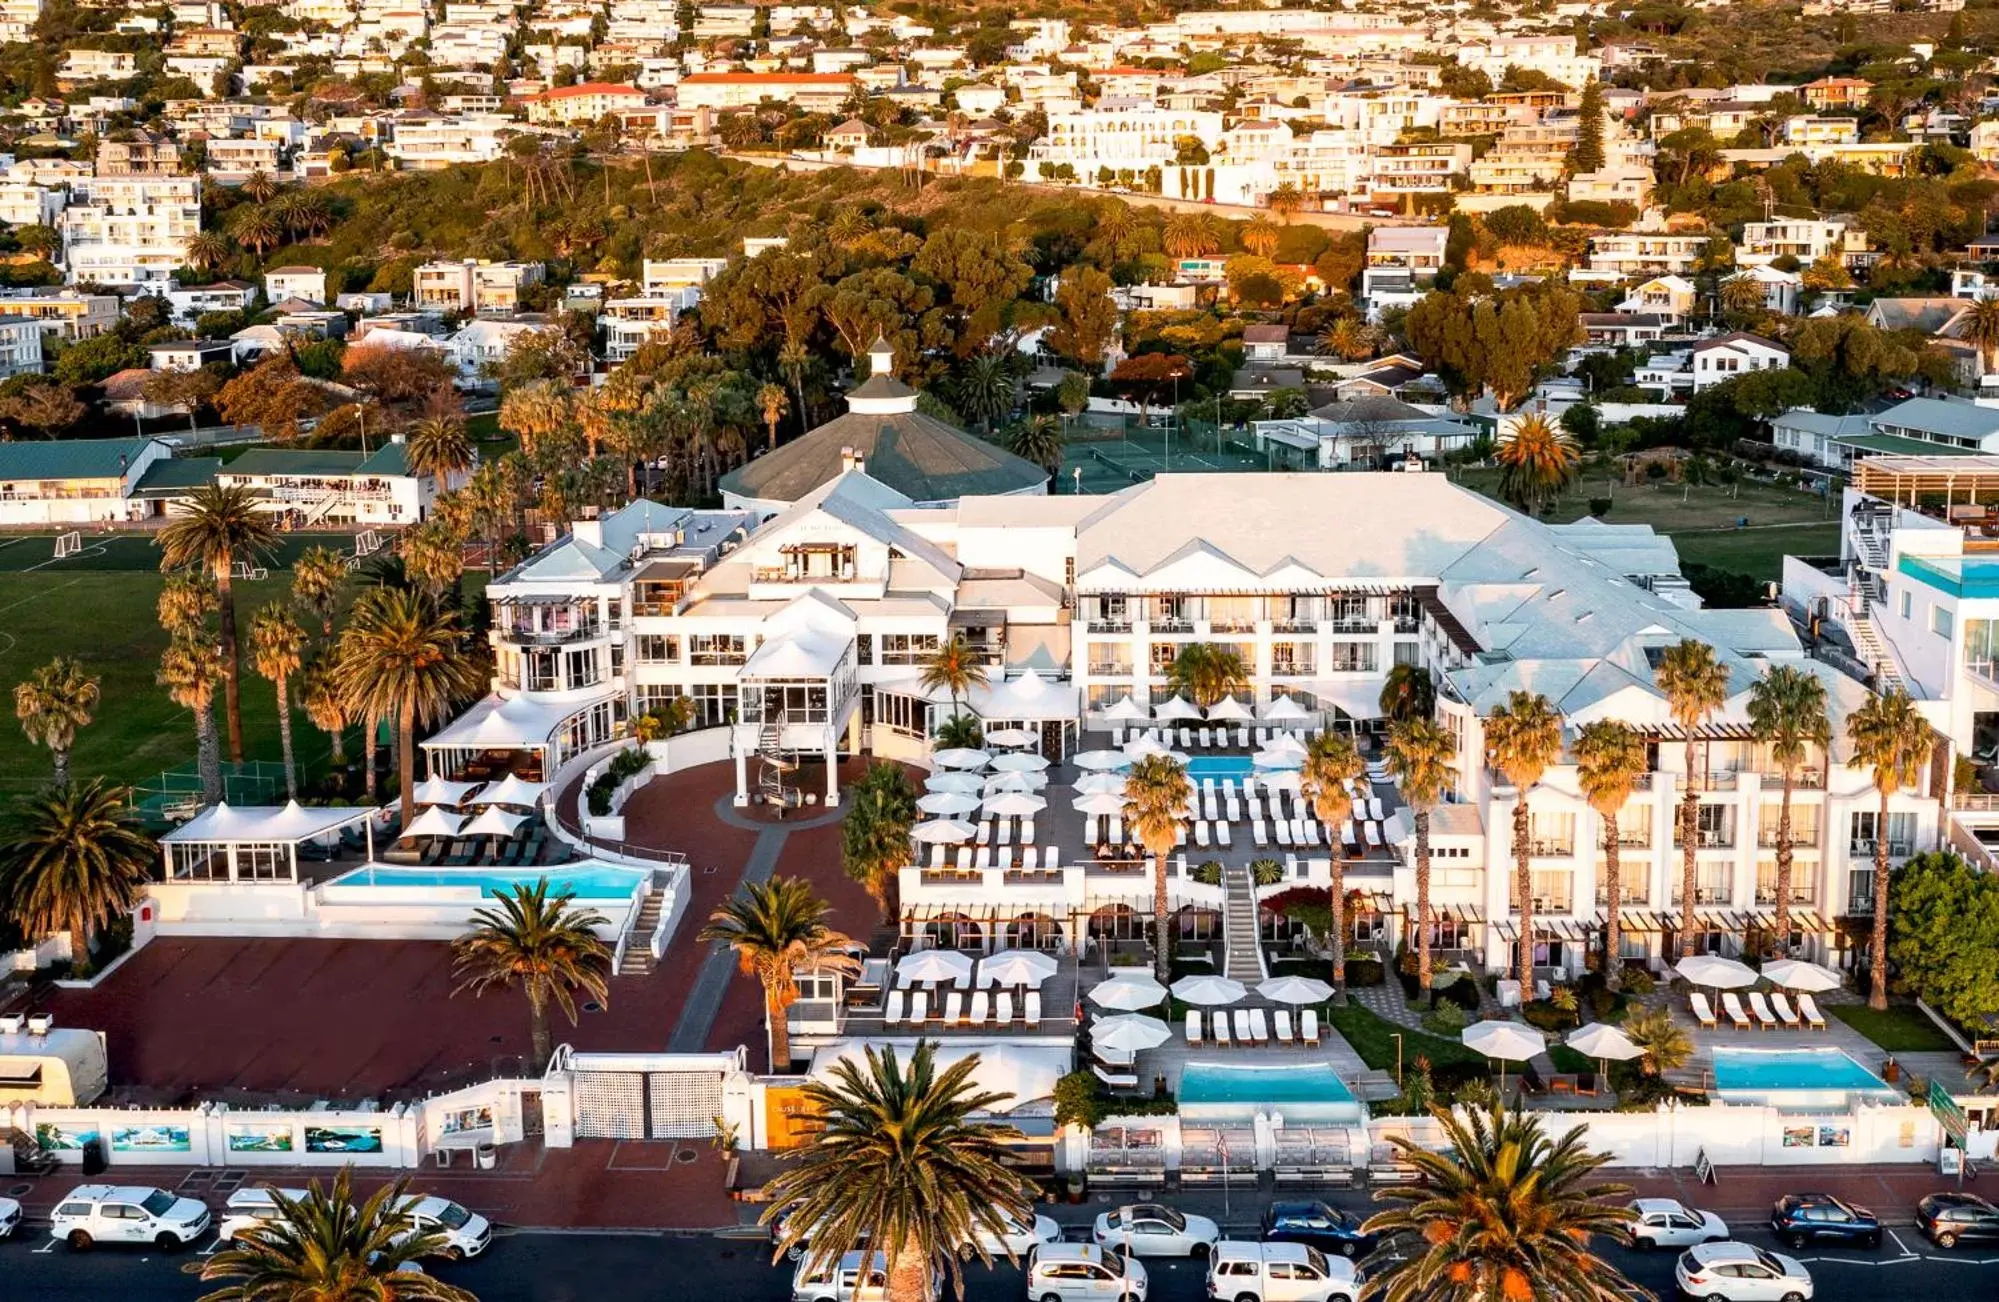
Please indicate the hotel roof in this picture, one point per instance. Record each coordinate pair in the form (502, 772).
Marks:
(70, 458)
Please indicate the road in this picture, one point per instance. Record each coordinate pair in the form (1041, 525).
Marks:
(580, 1267)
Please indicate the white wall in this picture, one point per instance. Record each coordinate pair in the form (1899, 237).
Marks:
(203, 1136)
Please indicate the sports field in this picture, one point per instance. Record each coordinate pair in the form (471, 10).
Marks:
(1108, 464)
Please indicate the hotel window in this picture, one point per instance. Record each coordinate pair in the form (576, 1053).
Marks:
(717, 649)
(1906, 605)
(1941, 621)
(542, 671)
(580, 668)
(714, 704)
(906, 715)
(658, 649)
(907, 648)
(1352, 657)
(1901, 833)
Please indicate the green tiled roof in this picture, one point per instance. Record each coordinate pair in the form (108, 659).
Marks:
(389, 459)
(176, 476)
(296, 461)
(1896, 445)
(918, 456)
(70, 458)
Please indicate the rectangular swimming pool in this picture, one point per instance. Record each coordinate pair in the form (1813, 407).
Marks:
(1219, 767)
(587, 879)
(1800, 1078)
(1236, 1091)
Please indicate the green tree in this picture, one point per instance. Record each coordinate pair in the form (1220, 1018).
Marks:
(403, 658)
(539, 943)
(779, 929)
(1497, 342)
(1981, 330)
(1523, 737)
(1038, 439)
(1157, 795)
(1943, 928)
(1890, 739)
(1610, 763)
(189, 669)
(74, 860)
(1587, 154)
(1663, 1043)
(52, 703)
(219, 526)
(1408, 693)
(277, 649)
(960, 731)
(1331, 762)
(438, 446)
(1695, 684)
(1206, 672)
(1787, 713)
(984, 388)
(982, 275)
(91, 361)
(1419, 755)
(956, 667)
(1537, 460)
(874, 832)
(1086, 317)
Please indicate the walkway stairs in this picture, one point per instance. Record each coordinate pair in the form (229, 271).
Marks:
(638, 960)
(1242, 953)
(1868, 646)
(771, 788)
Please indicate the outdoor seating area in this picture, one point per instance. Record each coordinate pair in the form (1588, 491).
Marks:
(935, 990)
(1283, 1018)
(1788, 1005)
(467, 823)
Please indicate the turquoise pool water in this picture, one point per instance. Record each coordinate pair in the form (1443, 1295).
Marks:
(1795, 1077)
(588, 880)
(1219, 767)
(1214, 1090)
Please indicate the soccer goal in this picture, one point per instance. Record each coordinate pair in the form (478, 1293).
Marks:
(249, 570)
(68, 544)
(367, 543)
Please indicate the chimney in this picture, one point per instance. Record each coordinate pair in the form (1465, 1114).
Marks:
(848, 461)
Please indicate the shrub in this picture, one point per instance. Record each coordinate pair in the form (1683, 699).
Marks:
(1078, 1100)
(1462, 991)
(1365, 972)
(1267, 872)
(1600, 506)
(1544, 1016)
(1638, 982)
(1446, 1019)
(1208, 874)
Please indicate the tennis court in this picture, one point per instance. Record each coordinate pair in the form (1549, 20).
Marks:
(1109, 463)
(134, 552)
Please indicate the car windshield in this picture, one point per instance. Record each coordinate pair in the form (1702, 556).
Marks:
(1318, 1261)
(159, 1202)
(453, 1217)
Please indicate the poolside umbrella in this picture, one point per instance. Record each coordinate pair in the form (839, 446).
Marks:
(1125, 710)
(934, 965)
(1014, 782)
(1284, 780)
(1282, 709)
(1796, 974)
(494, 821)
(1100, 784)
(1229, 710)
(959, 782)
(1100, 761)
(433, 822)
(1020, 762)
(1104, 804)
(1206, 990)
(1604, 1042)
(943, 831)
(511, 790)
(1272, 760)
(442, 791)
(1146, 748)
(1295, 990)
(1010, 737)
(1017, 967)
(947, 802)
(1179, 707)
(1129, 1033)
(1132, 991)
(1285, 743)
(1014, 804)
(1716, 972)
(1506, 1041)
(961, 757)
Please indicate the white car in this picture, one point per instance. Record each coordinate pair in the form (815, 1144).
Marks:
(1084, 1272)
(1667, 1223)
(1241, 1271)
(10, 1216)
(1021, 1237)
(100, 1213)
(464, 1234)
(1149, 1230)
(1738, 1272)
(858, 1276)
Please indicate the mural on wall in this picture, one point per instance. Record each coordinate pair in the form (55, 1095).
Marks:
(57, 1137)
(343, 1139)
(260, 1139)
(479, 1118)
(150, 1139)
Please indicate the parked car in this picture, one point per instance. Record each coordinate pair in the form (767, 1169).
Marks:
(1952, 1218)
(1084, 1272)
(1021, 1237)
(1798, 1219)
(1668, 1223)
(464, 1234)
(1149, 1230)
(101, 1213)
(10, 1216)
(1279, 1272)
(1328, 1229)
(1739, 1272)
(858, 1276)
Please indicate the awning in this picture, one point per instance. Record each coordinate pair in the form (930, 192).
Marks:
(221, 824)
(1025, 1073)
(1027, 698)
(503, 722)
(802, 653)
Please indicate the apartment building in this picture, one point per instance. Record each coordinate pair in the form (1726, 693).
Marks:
(239, 159)
(131, 230)
(67, 314)
(1641, 253)
(81, 66)
(1123, 133)
(1420, 168)
(1803, 239)
(138, 156)
(474, 285)
(822, 92)
(660, 276)
(25, 204)
(423, 142)
(18, 18)
(1402, 265)
(584, 103)
(629, 323)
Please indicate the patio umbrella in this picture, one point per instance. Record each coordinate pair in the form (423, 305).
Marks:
(1796, 974)
(1146, 748)
(1295, 990)
(1207, 990)
(1129, 1033)
(1282, 709)
(442, 791)
(1506, 1041)
(511, 790)
(934, 965)
(1285, 743)
(1177, 708)
(1020, 762)
(1100, 761)
(1099, 784)
(1130, 992)
(493, 821)
(1714, 971)
(1014, 804)
(433, 822)
(1014, 782)
(1229, 710)
(1103, 804)
(1125, 710)
(1017, 967)
(1279, 759)
(961, 757)
(959, 782)
(1604, 1042)
(1011, 737)
(947, 802)
(943, 831)
(1282, 780)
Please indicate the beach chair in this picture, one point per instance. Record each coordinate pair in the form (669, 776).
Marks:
(1308, 1027)
(982, 1007)
(1263, 736)
(1242, 1028)
(919, 1007)
(1702, 1011)
(1218, 1028)
(1785, 1013)
(983, 859)
(1050, 858)
(1194, 1027)
(894, 1014)
(1281, 1018)
(1312, 831)
(1201, 833)
(1283, 833)
(1256, 809)
(1375, 810)
(1117, 738)
(1373, 832)
(1033, 1010)
(1207, 736)
(1234, 807)
(1761, 1008)
(954, 1008)
(1259, 834)
(985, 834)
(1122, 1080)
(1117, 829)
(1003, 1008)
(1211, 808)
(1005, 836)
(1242, 738)
(1809, 1008)
(1180, 836)
(1222, 835)
(1186, 739)
(1732, 1006)
(1030, 859)
(1259, 1026)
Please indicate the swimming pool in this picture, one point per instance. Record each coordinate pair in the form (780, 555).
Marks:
(1220, 766)
(1797, 1078)
(589, 879)
(1235, 1091)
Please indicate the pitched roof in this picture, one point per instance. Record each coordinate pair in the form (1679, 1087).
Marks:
(919, 456)
(70, 458)
(296, 461)
(177, 476)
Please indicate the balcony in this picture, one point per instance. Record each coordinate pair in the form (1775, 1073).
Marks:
(1361, 626)
(1551, 847)
(1293, 668)
(529, 636)
(1864, 849)
(1110, 668)
(1707, 893)
(1632, 897)
(1107, 622)
(1803, 895)
(1294, 624)
(1802, 838)
(1171, 624)
(1638, 838)
(1232, 624)
(1706, 838)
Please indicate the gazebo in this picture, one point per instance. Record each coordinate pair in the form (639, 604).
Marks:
(253, 843)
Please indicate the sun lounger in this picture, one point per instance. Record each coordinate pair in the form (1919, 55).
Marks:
(1005, 836)
(1283, 832)
(1117, 829)
(1003, 1008)
(1116, 1080)
(1201, 833)
(1242, 1029)
(1219, 1028)
(1186, 739)
(1030, 858)
(1308, 1027)
(985, 832)
(1180, 835)
(1263, 736)
(1373, 833)
(1193, 1027)
(1703, 1012)
(954, 1008)
(1312, 832)
(1375, 810)
(964, 858)
(1050, 858)
(1761, 1007)
(1281, 1018)
(982, 1007)
(1785, 1013)
(919, 1007)
(1207, 738)
(1256, 809)
(1233, 807)
(983, 859)
(1117, 737)
(1259, 834)
(1211, 808)
(1259, 1026)
(1222, 835)
(894, 1014)
(1732, 1006)
(1033, 1011)
(1809, 1008)
(1242, 738)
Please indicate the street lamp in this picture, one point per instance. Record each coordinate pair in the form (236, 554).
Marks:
(1397, 1036)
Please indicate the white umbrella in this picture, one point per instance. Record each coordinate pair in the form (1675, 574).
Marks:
(1285, 743)
(934, 965)
(1137, 990)
(1295, 990)
(442, 791)
(947, 802)
(1717, 972)
(1103, 804)
(1282, 709)
(943, 831)
(1279, 759)
(511, 790)
(1179, 707)
(1020, 762)
(1146, 748)
(1125, 710)
(1014, 804)
(433, 822)
(1506, 1041)
(1129, 1033)
(1100, 784)
(1229, 710)
(1010, 737)
(1604, 1042)
(1017, 967)
(1208, 990)
(493, 821)
(1796, 974)
(1014, 782)
(1100, 761)
(1285, 780)
(959, 782)
(961, 757)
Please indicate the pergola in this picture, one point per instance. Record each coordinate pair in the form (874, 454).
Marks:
(253, 843)
(1908, 480)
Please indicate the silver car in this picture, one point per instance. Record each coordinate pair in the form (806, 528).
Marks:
(1667, 1223)
(1150, 1230)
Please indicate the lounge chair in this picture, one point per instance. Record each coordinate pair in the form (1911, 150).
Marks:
(1211, 808)
(1207, 739)
(1117, 829)
(1283, 833)
(1117, 738)
(1259, 834)
(1311, 826)
(1259, 1026)
(1005, 836)
(983, 859)
(1050, 858)
(954, 1008)
(894, 1014)
(1373, 833)
(1256, 809)
(1732, 1006)
(1027, 831)
(1194, 1027)
(1201, 833)
(1003, 1008)
(1308, 1027)
(919, 1007)
(1186, 739)
(1222, 835)
(1282, 1019)
(1761, 1008)
(1180, 836)
(1219, 1027)
(1375, 810)
(1234, 807)
(964, 858)
(1242, 1027)
(1809, 1008)
(982, 1007)
(1033, 1010)
(1703, 1012)
(1242, 738)
(1030, 858)
(1785, 1013)
(1116, 1080)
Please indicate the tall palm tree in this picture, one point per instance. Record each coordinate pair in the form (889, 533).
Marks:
(52, 703)
(779, 929)
(1408, 693)
(1537, 459)
(874, 832)
(1347, 338)
(537, 411)
(1189, 235)
(319, 577)
(772, 403)
(1741, 295)
(209, 249)
(319, 693)
(433, 556)
(1523, 737)
(75, 859)
(1787, 713)
(440, 447)
(1499, 1212)
(1891, 739)
(955, 667)
(1419, 757)
(1157, 794)
(1981, 330)
(984, 388)
(537, 942)
(900, 1165)
(1332, 761)
(1205, 673)
(1696, 685)
(189, 669)
(403, 658)
(185, 602)
(1610, 763)
(1260, 237)
(221, 525)
(257, 228)
(260, 186)
(277, 647)
(1038, 439)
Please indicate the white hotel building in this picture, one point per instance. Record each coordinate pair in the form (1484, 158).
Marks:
(803, 633)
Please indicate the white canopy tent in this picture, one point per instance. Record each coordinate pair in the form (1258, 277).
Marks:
(1031, 703)
(1026, 1073)
(493, 821)
(512, 790)
(553, 729)
(433, 822)
(252, 843)
(1282, 709)
(1175, 709)
(1229, 710)
(435, 790)
(1124, 710)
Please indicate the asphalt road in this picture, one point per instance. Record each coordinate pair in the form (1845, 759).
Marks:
(581, 1267)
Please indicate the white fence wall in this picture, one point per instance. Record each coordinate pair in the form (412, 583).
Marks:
(216, 1135)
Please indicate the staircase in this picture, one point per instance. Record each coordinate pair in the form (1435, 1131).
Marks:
(1242, 953)
(1868, 646)
(638, 937)
(1873, 552)
(771, 787)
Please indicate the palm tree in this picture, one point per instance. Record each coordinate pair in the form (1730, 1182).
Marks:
(258, 229)
(189, 668)
(75, 860)
(52, 703)
(901, 1165)
(439, 447)
(402, 657)
(433, 555)
(1408, 693)
(779, 929)
(277, 647)
(874, 833)
(1891, 738)
(1498, 1211)
(772, 402)
(984, 388)
(1419, 757)
(1188, 235)
(956, 667)
(1260, 237)
(1537, 459)
(1348, 339)
(1205, 673)
(537, 411)
(221, 526)
(1332, 761)
(260, 186)
(1787, 713)
(1157, 794)
(1981, 330)
(1664, 1043)
(1523, 736)
(1741, 295)
(319, 576)
(540, 944)
(209, 249)
(319, 693)
(1038, 439)
(1696, 685)
(1610, 763)
(960, 731)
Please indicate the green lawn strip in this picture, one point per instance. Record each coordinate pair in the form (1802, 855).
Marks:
(1372, 1038)
(1758, 553)
(1568, 1061)
(1898, 1029)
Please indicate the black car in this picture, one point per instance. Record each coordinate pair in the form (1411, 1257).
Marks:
(1798, 1219)
(1951, 1218)
(1313, 1223)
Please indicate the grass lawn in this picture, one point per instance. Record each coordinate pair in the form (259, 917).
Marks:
(1758, 553)
(1901, 1029)
(1373, 1039)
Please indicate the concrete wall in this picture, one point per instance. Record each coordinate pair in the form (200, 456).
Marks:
(215, 1135)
